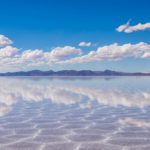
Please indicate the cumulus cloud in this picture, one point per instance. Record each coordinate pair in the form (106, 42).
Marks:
(4, 41)
(14, 59)
(32, 54)
(127, 28)
(58, 53)
(8, 51)
(64, 52)
(114, 52)
(85, 44)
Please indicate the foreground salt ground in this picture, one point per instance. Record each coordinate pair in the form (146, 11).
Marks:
(75, 114)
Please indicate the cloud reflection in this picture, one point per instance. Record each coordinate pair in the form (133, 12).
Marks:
(134, 122)
(80, 92)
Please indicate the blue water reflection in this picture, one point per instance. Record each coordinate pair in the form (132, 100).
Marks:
(74, 113)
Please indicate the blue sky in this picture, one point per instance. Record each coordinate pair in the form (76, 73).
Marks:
(48, 24)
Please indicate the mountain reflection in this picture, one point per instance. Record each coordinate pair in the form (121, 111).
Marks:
(114, 92)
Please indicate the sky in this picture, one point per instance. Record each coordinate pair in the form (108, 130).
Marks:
(75, 34)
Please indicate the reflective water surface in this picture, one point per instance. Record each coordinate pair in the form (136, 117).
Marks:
(69, 113)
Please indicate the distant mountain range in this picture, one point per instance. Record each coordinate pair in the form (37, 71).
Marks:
(73, 73)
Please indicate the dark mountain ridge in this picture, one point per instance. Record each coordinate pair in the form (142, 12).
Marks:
(73, 73)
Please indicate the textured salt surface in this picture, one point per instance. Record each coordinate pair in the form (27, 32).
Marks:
(75, 114)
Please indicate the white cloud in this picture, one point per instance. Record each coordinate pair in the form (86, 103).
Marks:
(13, 59)
(123, 27)
(64, 52)
(146, 55)
(129, 29)
(8, 51)
(114, 52)
(4, 41)
(85, 44)
(32, 54)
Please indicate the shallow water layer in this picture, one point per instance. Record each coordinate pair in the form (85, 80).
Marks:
(99, 113)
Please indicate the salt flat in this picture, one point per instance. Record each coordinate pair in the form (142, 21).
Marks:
(100, 113)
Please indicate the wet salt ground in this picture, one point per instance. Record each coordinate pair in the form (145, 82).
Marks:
(47, 125)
